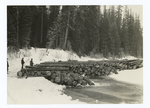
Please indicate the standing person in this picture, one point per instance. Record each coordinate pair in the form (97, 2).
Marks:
(22, 63)
(31, 62)
(7, 66)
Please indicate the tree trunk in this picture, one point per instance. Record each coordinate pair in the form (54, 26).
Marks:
(17, 24)
(41, 25)
(66, 35)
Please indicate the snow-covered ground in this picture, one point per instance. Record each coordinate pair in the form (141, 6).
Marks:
(130, 76)
(41, 91)
(36, 90)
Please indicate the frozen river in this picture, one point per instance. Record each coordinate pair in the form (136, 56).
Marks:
(108, 91)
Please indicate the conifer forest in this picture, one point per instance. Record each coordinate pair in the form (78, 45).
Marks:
(85, 30)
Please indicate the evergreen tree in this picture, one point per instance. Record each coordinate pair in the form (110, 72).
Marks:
(124, 32)
(124, 36)
(78, 35)
(54, 33)
(131, 34)
(12, 40)
(83, 29)
(138, 37)
(104, 34)
(113, 31)
(25, 22)
(119, 19)
(53, 13)
(92, 27)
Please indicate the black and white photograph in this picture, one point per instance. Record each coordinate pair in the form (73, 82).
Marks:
(74, 54)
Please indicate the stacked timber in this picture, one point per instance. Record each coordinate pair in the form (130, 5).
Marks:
(71, 72)
(69, 79)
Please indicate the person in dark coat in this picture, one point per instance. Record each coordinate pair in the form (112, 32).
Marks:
(7, 66)
(31, 62)
(22, 63)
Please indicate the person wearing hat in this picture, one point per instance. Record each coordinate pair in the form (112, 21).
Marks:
(22, 63)
(31, 62)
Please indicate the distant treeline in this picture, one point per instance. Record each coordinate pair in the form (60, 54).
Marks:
(82, 29)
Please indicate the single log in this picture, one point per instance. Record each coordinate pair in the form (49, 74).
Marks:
(57, 80)
(48, 73)
(83, 82)
(69, 81)
(52, 80)
(80, 77)
(29, 66)
(39, 73)
(53, 75)
(74, 83)
(73, 75)
(99, 74)
(62, 62)
(57, 73)
(35, 74)
(19, 74)
(48, 69)
(71, 78)
(79, 86)
(76, 76)
(32, 73)
(88, 81)
(64, 77)
(50, 65)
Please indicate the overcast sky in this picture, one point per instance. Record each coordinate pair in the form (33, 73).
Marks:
(139, 10)
(135, 8)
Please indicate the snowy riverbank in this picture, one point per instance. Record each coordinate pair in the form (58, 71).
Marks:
(41, 91)
(130, 76)
(36, 90)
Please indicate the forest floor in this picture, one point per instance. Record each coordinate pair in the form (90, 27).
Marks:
(115, 89)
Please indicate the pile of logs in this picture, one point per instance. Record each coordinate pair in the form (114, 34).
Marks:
(69, 79)
(74, 73)
(103, 68)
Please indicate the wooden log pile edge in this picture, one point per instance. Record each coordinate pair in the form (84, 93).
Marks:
(74, 73)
